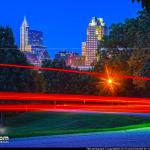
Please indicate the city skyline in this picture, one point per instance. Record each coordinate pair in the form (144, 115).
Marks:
(31, 44)
(57, 27)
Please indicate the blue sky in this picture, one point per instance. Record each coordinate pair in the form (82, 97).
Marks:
(63, 22)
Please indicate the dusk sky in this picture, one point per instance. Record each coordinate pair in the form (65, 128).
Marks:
(63, 22)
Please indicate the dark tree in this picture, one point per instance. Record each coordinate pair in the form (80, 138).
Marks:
(67, 83)
(13, 79)
(145, 4)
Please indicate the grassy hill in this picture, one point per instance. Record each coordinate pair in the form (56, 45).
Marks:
(48, 123)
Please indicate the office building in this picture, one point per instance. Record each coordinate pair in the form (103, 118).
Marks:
(95, 32)
(31, 44)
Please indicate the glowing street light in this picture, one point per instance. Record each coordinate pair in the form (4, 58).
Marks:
(110, 81)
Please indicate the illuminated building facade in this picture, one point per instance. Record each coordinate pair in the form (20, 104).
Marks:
(24, 37)
(83, 49)
(31, 43)
(95, 32)
(71, 59)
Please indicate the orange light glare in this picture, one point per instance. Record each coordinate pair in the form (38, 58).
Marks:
(110, 81)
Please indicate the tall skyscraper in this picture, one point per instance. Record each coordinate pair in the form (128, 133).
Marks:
(83, 49)
(24, 37)
(95, 32)
(31, 43)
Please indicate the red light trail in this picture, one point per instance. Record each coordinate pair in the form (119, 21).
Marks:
(13, 96)
(72, 71)
(124, 104)
(75, 107)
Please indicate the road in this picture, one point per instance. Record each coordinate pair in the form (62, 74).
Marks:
(131, 138)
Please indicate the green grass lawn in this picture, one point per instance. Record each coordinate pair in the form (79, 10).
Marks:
(48, 123)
